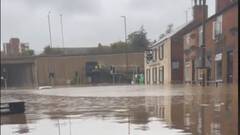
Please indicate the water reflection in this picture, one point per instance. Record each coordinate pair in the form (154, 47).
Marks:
(198, 112)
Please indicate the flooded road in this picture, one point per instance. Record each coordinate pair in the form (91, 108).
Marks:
(124, 110)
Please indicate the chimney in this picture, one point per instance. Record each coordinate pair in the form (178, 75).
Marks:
(198, 8)
(221, 4)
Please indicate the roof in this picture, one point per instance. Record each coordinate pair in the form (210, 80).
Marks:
(214, 16)
(84, 51)
(175, 31)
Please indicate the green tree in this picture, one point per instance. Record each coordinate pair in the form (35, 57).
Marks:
(138, 40)
(118, 46)
(29, 52)
(52, 51)
(161, 36)
(169, 28)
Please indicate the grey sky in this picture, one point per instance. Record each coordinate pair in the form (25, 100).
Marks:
(88, 22)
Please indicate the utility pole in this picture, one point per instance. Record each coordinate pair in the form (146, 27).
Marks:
(49, 27)
(203, 43)
(186, 16)
(62, 30)
(126, 50)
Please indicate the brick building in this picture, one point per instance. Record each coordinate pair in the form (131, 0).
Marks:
(167, 62)
(14, 47)
(166, 66)
(221, 40)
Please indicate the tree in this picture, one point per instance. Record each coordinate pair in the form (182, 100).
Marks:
(169, 29)
(99, 45)
(161, 36)
(29, 52)
(138, 40)
(118, 46)
(52, 51)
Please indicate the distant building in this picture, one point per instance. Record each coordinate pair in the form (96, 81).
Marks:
(77, 68)
(221, 40)
(14, 47)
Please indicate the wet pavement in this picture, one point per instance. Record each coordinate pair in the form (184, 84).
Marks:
(124, 110)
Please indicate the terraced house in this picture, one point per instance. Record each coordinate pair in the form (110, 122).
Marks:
(221, 41)
(166, 64)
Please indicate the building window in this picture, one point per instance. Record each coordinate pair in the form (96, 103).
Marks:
(175, 65)
(161, 51)
(218, 66)
(154, 75)
(148, 76)
(230, 66)
(217, 27)
(187, 72)
(200, 36)
(155, 79)
(155, 54)
(161, 75)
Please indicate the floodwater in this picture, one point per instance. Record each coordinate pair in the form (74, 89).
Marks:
(124, 110)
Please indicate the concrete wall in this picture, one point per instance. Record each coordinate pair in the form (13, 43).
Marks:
(65, 67)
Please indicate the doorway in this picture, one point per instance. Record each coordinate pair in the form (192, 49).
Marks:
(229, 66)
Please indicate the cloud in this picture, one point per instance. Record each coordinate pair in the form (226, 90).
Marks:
(66, 6)
(87, 22)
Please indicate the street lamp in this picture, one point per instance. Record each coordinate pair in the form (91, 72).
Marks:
(126, 51)
(62, 30)
(49, 27)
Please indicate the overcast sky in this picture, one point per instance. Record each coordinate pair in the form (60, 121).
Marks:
(89, 22)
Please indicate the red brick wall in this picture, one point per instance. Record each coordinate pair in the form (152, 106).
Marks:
(198, 12)
(220, 4)
(230, 20)
(177, 55)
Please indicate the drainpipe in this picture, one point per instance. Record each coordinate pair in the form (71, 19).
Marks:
(203, 42)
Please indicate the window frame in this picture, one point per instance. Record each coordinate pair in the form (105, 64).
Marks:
(161, 70)
(161, 52)
(217, 26)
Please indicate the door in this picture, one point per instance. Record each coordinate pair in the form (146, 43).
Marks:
(229, 66)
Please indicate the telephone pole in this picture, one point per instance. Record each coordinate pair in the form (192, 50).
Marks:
(49, 27)
(126, 50)
(62, 30)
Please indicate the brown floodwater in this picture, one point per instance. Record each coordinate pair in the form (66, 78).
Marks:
(124, 110)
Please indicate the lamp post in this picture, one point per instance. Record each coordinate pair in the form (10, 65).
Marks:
(49, 27)
(126, 50)
(62, 30)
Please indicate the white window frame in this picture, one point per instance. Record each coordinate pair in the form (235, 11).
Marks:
(214, 30)
(218, 58)
(217, 27)
(219, 24)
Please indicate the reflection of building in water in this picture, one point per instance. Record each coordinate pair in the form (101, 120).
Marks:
(139, 115)
(208, 114)
(19, 119)
(13, 119)
(201, 113)
(166, 109)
